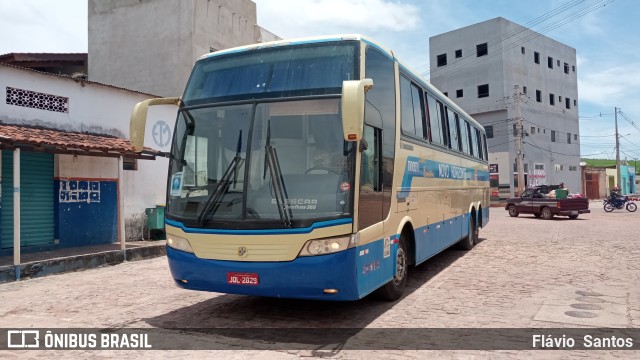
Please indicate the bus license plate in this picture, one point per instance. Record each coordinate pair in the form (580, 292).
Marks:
(234, 278)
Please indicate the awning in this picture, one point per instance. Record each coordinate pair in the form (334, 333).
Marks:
(40, 139)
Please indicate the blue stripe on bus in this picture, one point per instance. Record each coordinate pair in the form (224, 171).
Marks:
(306, 230)
(303, 278)
(417, 167)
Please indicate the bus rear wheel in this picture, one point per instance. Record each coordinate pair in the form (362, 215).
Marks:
(394, 289)
(470, 240)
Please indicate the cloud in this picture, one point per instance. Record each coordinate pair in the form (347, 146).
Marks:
(294, 18)
(611, 85)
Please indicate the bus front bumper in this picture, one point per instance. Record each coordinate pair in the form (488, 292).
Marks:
(326, 277)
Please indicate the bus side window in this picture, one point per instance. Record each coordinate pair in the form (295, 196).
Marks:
(434, 132)
(453, 130)
(484, 147)
(475, 141)
(464, 134)
(443, 124)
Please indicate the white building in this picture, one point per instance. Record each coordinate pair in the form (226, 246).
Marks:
(79, 182)
(478, 67)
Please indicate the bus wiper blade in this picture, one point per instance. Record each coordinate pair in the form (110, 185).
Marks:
(280, 191)
(213, 202)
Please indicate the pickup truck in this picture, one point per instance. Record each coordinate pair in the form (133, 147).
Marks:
(535, 201)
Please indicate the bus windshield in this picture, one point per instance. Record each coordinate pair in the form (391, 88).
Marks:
(279, 164)
(300, 70)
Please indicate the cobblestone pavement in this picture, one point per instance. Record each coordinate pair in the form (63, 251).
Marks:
(524, 273)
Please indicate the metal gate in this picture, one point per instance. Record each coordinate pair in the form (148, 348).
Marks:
(36, 200)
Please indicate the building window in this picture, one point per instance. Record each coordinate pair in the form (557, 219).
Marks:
(458, 53)
(536, 57)
(129, 164)
(575, 137)
(558, 63)
(567, 103)
(446, 94)
(515, 131)
(573, 168)
(538, 96)
(575, 102)
(552, 99)
(522, 49)
(37, 100)
(568, 138)
(483, 91)
(489, 131)
(524, 90)
(573, 67)
(459, 93)
(560, 98)
(533, 130)
(566, 68)
(553, 136)
(538, 166)
(442, 60)
(482, 49)
(550, 62)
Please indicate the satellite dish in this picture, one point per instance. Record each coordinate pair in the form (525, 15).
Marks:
(582, 163)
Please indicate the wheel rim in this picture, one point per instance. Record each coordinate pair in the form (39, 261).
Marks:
(608, 207)
(632, 207)
(401, 266)
(512, 210)
(546, 212)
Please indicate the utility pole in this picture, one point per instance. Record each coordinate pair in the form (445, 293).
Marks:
(618, 178)
(519, 134)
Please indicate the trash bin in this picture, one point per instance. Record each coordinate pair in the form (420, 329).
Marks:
(561, 194)
(155, 222)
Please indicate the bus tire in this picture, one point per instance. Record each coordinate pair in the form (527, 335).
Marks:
(470, 240)
(394, 289)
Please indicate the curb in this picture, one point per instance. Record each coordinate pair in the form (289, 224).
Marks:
(61, 265)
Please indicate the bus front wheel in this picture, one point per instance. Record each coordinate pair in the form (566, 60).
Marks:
(393, 290)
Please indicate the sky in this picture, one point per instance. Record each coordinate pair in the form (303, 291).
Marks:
(605, 34)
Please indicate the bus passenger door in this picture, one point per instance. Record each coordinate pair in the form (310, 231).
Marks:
(370, 206)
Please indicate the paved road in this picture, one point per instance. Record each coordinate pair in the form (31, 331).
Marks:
(525, 273)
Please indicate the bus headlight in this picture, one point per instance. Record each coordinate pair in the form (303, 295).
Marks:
(179, 243)
(328, 245)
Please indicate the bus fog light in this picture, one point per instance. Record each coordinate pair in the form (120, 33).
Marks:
(325, 246)
(179, 243)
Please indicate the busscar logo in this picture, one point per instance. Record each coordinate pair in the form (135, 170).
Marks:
(22, 339)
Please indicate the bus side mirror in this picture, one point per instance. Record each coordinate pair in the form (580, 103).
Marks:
(353, 98)
(138, 120)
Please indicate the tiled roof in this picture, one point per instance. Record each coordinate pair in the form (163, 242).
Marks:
(64, 142)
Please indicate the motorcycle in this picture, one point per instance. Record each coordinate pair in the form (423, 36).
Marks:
(610, 204)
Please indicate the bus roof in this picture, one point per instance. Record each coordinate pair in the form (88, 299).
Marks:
(339, 37)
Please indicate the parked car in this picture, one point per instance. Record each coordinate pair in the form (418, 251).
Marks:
(536, 201)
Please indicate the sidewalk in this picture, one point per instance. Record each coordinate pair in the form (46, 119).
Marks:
(45, 263)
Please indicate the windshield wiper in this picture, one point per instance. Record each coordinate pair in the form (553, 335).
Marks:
(280, 191)
(213, 202)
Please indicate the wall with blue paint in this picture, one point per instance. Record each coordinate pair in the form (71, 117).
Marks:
(86, 211)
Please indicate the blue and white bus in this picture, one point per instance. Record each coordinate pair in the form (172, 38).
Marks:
(317, 168)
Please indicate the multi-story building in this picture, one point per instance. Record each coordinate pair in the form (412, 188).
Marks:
(497, 71)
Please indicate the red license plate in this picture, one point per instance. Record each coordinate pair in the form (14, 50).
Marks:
(235, 278)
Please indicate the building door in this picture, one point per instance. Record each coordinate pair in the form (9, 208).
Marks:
(593, 185)
(36, 200)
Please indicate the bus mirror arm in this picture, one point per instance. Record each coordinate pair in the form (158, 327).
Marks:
(139, 119)
(353, 98)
